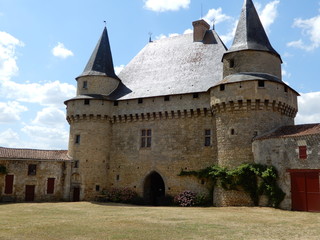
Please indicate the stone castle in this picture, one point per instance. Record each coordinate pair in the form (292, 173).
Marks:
(183, 103)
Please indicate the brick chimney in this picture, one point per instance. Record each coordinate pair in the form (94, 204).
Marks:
(199, 30)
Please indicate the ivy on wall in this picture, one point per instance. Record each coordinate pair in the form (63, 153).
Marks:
(255, 179)
(3, 169)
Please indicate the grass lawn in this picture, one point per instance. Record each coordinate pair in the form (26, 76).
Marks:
(86, 220)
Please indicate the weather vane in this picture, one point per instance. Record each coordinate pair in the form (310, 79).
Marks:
(105, 23)
(150, 34)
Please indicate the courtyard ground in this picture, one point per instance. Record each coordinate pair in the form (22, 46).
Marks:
(87, 220)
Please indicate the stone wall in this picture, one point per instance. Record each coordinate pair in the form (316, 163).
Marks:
(283, 153)
(44, 170)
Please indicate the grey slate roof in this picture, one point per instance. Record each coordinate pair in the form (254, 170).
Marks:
(100, 62)
(170, 66)
(250, 34)
(27, 154)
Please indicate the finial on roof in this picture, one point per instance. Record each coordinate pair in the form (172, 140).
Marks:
(150, 34)
(105, 23)
(250, 34)
(213, 24)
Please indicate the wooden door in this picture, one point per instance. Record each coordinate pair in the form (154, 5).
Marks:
(305, 191)
(76, 194)
(29, 193)
(8, 188)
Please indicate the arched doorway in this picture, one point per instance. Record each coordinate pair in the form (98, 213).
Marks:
(154, 189)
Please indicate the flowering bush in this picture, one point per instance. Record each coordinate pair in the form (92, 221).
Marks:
(121, 195)
(185, 199)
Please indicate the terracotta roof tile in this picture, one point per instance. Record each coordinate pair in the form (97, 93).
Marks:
(36, 154)
(293, 131)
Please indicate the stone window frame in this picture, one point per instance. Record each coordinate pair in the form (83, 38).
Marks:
(207, 137)
(146, 138)
(32, 169)
(261, 84)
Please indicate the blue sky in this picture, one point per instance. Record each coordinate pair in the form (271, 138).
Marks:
(44, 45)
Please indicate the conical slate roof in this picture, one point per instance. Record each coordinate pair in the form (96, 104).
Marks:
(250, 34)
(100, 62)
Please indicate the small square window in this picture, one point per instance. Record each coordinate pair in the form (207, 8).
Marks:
(303, 152)
(85, 84)
(140, 100)
(166, 98)
(231, 63)
(260, 83)
(86, 101)
(76, 164)
(97, 188)
(115, 103)
(196, 95)
(77, 139)
(222, 87)
(32, 169)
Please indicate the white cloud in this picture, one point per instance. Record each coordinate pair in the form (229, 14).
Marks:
(118, 69)
(166, 5)
(61, 51)
(268, 14)
(309, 110)
(216, 16)
(50, 116)
(189, 30)
(10, 111)
(10, 138)
(8, 64)
(311, 29)
(228, 37)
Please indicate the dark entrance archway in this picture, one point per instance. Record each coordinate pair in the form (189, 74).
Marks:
(154, 189)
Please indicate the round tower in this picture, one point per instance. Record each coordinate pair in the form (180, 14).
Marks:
(250, 100)
(90, 128)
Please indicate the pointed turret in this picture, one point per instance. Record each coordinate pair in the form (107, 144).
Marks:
(100, 62)
(250, 34)
(98, 76)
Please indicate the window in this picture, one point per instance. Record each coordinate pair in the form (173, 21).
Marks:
(8, 189)
(222, 87)
(231, 63)
(50, 185)
(260, 83)
(140, 100)
(86, 101)
(76, 164)
(232, 131)
(118, 177)
(115, 103)
(145, 138)
(196, 95)
(207, 137)
(32, 169)
(166, 98)
(303, 152)
(285, 89)
(85, 84)
(77, 139)
(97, 188)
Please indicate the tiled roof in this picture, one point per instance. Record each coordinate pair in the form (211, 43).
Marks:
(293, 131)
(16, 153)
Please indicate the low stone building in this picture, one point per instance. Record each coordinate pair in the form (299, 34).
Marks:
(183, 103)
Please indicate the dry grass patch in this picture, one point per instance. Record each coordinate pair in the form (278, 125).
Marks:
(85, 220)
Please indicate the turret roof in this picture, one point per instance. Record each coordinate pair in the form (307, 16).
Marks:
(250, 34)
(100, 62)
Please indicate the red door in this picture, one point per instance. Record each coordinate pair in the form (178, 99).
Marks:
(29, 193)
(8, 189)
(305, 191)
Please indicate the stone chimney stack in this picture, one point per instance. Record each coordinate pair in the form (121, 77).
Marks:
(199, 30)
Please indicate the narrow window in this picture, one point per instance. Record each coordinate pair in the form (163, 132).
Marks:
(231, 63)
(86, 101)
(303, 152)
(285, 89)
(115, 103)
(77, 139)
(222, 87)
(32, 169)
(76, 164)
(8, 189)
(145, 138)
(118, 177)
(85, 84)
(140, 100)
(232, 131)
(166, 98)
(260, 83)
(50, 185)
(97, 188)
(207, 137)
(196, 95)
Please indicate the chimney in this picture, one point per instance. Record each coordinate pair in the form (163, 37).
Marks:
(199, 30)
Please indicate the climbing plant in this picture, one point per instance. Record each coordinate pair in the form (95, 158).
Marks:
(3, 169)
(255, 179)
